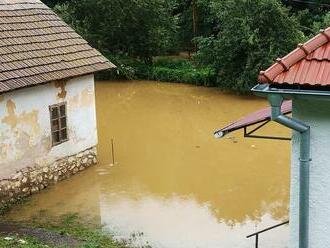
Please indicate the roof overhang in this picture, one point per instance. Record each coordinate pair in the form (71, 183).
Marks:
(261, 117)
(290, 93)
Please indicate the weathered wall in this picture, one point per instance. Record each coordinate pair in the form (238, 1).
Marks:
(33, 179)
(25, 132)
(317, 115)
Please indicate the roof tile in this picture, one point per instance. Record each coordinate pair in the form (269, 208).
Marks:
(37, 47)
(309, 64)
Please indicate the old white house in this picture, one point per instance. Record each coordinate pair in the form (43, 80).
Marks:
(47, 104)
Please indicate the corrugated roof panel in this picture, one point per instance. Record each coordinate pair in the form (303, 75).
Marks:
(254, 118)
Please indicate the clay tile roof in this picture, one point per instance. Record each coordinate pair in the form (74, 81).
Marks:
(308, 64)
(36, 47)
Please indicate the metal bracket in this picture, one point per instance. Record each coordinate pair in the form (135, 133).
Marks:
(249, 134)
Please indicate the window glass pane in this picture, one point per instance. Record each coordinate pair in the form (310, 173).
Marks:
(62, 110)
(54, 111)
(63, 122)
(55, 125)
(64, 135)
(58, 123)
(56, 137)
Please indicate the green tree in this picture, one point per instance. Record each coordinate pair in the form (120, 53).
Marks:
(135, 28)
(308, 12)
(252, 34)
(322, 24)
(52, 3)
(193, 13)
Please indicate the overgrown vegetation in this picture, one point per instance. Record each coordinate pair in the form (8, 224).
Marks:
(230, 40)
(252, 34)
(91, 236)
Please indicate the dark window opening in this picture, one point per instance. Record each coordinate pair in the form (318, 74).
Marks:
(58, 123)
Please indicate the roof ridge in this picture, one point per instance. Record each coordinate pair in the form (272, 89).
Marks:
(14, 2)
(301, 52)
(14, 5)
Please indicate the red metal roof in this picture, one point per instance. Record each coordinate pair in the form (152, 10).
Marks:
(309, 64)
(254, 118)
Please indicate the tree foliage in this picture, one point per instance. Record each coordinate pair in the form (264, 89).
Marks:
(137, 28)
(251, 35)
(52, 3)
(204, 21)
(323, 23)
(235, 38)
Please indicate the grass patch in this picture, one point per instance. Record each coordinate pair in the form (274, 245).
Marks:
(20, 242)
(90, 236)
(179, 70)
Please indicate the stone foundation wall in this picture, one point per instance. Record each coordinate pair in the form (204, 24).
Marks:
(33, 179)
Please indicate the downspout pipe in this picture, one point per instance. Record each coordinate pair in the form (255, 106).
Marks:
(276, 101)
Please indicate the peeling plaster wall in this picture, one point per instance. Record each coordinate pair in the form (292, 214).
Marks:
(25, 133)
(317, 115)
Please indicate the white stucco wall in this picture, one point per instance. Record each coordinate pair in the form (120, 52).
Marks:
(317, 115)
(25, 133)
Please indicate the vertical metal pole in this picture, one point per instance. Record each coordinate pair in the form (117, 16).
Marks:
(113, 152)
(257, 240)
(304, 188)
(304, 164)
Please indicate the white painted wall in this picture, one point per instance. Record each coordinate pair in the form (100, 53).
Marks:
(25, 134)
(317, 115)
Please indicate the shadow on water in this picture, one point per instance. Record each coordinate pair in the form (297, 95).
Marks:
(173, 185)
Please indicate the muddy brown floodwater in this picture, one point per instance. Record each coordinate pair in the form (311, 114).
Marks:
(173, 185)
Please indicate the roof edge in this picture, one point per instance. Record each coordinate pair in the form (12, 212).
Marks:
(109, 66)
(301, 52)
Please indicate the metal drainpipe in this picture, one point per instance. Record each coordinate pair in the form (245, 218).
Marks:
(304, 131)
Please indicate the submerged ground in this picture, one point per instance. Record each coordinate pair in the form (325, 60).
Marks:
(172, 184)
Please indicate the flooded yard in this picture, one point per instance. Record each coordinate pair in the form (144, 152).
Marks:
(173, 185)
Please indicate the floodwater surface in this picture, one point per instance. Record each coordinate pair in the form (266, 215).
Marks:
(173, 185)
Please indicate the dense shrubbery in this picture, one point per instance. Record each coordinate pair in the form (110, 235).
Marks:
(235, 38)
(165, 69)
(252, 35)
(181, 70)
(135, 28)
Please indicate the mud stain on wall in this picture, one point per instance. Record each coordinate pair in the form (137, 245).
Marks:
(29, 120)
(4, 149)
(21, 142)
(84, 99)
(61, 85)
(26, 154)
(10, 119)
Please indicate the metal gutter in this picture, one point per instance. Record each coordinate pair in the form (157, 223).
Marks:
(275, 98)
(287, 94)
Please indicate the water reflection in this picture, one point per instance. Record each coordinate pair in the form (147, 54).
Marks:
(178, 222)
(173, 184)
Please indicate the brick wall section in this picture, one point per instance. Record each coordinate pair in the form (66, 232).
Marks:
(33, 179)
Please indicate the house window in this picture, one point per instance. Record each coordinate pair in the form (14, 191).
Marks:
(58, 122)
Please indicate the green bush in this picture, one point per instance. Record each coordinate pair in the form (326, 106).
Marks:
(172, 63)
(163, 69)
(252, 34)
(192, 75)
